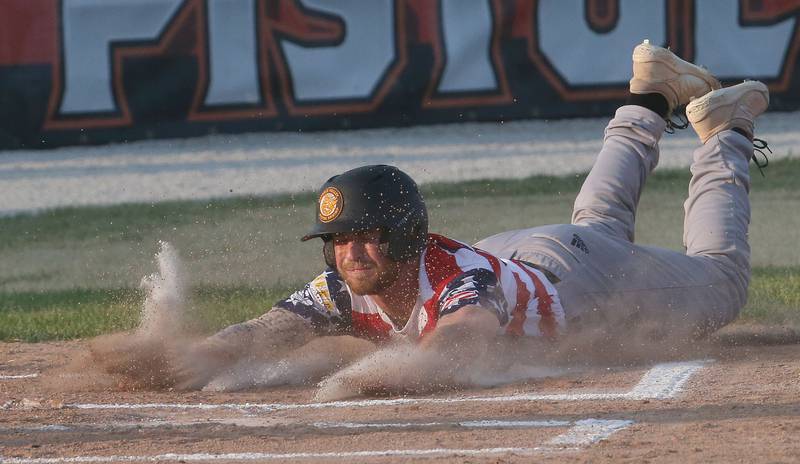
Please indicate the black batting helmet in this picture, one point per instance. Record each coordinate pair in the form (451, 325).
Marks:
(368, 198)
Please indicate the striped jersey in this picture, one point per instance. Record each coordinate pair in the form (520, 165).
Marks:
(451, 275)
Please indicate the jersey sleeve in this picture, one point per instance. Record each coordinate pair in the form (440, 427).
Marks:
(474, 287)
(324, 302)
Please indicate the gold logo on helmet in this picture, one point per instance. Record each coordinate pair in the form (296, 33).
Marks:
(330, 204)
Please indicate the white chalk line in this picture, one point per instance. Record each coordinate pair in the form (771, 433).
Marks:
(588, 431)
(582, 433)
(482, 424)
(255, 422)
(662, 381)
(666, 380)
(18, 376)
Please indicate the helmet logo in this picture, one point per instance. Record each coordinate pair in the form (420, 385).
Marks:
(330, 204)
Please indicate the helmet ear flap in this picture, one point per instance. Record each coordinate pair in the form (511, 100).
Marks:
(408, 240)
(419, 236)
(385, 248)
(329, 253)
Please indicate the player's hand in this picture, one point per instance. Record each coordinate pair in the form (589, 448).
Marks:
(194, 366)
(397, 369)
(302, 366)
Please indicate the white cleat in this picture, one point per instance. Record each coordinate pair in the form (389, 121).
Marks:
(658, 70)
(736, 106)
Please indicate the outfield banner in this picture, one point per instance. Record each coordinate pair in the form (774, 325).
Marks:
(96, 71)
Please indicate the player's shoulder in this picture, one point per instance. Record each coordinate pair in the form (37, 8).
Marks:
(446, 257)
(329, 283)
(326, 291)
(447, 244)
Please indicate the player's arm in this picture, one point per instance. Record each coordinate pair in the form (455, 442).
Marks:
(292, 323)
(463, 331)
(457, 343)
(275, 332)
(471, 306)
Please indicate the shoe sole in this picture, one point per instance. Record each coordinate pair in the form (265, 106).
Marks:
(699, 111)
(724, 97)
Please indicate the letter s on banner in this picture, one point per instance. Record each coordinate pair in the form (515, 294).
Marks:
(353, 69)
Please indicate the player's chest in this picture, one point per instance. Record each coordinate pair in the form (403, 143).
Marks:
(371, 320)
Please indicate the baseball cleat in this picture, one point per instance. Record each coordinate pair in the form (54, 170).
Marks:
(658, 70)
(728, 108)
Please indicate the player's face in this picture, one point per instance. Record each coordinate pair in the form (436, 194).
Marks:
(361, 263)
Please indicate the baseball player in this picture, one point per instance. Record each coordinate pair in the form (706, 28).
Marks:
(388, 279)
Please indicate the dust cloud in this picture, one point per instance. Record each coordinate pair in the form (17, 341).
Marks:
(151, 356)
(142, 359)
(306, 365)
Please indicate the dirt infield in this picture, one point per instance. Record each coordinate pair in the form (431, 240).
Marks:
(721, 404)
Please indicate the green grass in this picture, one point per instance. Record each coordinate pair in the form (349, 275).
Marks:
(774, 297)
(74, 272)
(79, 313)
(66, 314)
(129, 221)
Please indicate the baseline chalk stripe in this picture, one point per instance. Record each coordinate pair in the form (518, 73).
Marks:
(482, 424)
(660, 382)
(254, 422)
(588, 431)
(18, 376)
(583, 432)
(665, 380)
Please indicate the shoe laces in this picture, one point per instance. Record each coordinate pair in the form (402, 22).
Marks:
(759, 146)
(681, 124)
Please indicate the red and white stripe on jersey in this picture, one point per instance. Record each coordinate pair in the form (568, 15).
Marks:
(542, 303)
(531, 301)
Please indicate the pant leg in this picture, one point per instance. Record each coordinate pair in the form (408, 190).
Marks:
(609, 196)
(718, 208)
(608, 281)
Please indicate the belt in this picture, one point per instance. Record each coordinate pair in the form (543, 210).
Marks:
(550, 276)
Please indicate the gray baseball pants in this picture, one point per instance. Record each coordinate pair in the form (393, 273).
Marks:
(603, 277)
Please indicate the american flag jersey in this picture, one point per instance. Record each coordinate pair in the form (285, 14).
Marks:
(452, 275)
